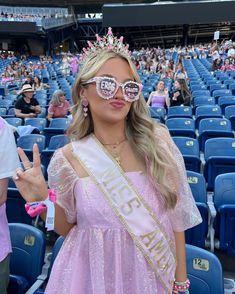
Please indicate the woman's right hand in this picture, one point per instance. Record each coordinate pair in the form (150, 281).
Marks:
(30, 181)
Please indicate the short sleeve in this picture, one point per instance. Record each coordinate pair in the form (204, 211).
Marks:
(9, 164)
(185, 215)
(62, 178)
(51, 109)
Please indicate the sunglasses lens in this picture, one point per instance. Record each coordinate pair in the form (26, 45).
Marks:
(131, 90)
(107, 88)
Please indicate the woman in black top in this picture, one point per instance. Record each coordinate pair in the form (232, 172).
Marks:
(27, 106)
(181, 95)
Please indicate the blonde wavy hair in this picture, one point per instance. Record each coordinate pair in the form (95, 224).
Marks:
(140, 128)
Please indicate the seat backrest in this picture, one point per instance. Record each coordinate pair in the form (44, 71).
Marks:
(204, 271)
(59, 123)
(39, 123)
(180, 123)
(14, 121)
(26, 142)
(28, 250)
(219, 147)
(179, 110)
(202, 100)
(58, 141)
(197, 184)
(214, 124)
(229, 111)
(187, 146)
(208, 110)
(224, 192)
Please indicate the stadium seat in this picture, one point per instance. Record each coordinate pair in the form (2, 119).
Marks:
(224, 101)
(229, 113)
(56, 248)
(219, 93)
(204, 271)
(232, 88)
(220, 158)
(212, 128)
(197, 235)
(190, 150)
(206, 111)
(39, 123)
(179, 111)
(56, 142)
(28, 250)
(224, 200)
(3, 111)
(201, 93)
(27, 142)
(57, 126)
(14, 121)
(201, 100)
(181, 127)
(158, 113)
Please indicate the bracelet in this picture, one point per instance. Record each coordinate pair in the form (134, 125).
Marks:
(181, 287)
(38, 207)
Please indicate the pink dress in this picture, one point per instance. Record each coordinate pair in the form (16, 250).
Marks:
(98, 256)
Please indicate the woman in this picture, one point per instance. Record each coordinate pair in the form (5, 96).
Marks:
(59, 106)
(27, 106)
(159, 97)
(180, 73)
(38, 84)
(181, 95)
(120, 167)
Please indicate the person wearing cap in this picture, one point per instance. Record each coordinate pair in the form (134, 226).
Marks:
(59, 106)
(27, 106)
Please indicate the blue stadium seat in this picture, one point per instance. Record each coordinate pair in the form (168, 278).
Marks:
(204, 271)
(57, 126)
(197, 235)
(212, 128)
(179, 111)
(206, 111)
(56, 142)
(39, 123)
(56, 248)
(3, 111)
(201, 100)
(158, 113)
(217, 86)
(224, 200)
(190, 150)
(201, 93)
(229, 113)
(219, 93)
(28, 250)
(14, 121)
(220, 158)
(181, 127)
(27, 142)
(232, 88)
(224, 101)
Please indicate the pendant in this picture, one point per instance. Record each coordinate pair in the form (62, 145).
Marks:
(118, 159)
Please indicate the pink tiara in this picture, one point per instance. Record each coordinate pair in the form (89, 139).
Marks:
(108, 42)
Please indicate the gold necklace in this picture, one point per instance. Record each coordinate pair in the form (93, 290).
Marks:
(112, 148)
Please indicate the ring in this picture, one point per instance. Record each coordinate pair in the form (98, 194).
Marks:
(26, 168)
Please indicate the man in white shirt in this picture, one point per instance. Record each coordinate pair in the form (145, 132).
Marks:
(9, 163)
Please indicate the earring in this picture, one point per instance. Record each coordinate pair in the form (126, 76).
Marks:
(85, 107)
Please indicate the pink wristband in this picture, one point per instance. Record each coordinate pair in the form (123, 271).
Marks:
(36, 208)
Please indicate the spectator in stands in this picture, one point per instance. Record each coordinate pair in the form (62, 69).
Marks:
(38, 84)
(180, 73)
(29, 80)
(216, 65)
(27, 106)
(159, 97)
(9, 162)
(227, 66)
(181, 95)
(120, 157)
(59, 106)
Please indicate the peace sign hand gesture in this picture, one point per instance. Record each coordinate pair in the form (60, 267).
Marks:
(30, 182)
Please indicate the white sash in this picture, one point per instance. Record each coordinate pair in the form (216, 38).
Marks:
(131, 209)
